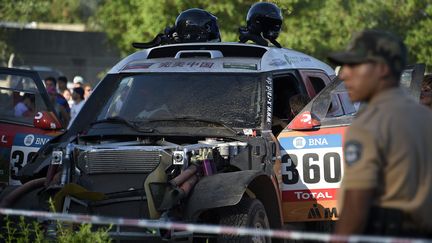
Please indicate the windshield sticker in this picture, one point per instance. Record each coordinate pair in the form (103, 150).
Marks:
(138, 66)
(186, 64)
(247, 66)
(294, 59)
(277, 62)
(269, 99)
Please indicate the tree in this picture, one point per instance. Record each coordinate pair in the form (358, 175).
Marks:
(419, 38)
(25, 11)
(324, 26)
(311, 26)
(314, 27)
(56, 11)
(134, 21)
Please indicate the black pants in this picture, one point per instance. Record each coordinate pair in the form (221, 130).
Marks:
(392, 222)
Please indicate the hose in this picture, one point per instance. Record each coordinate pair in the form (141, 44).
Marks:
(184, 175)
(16, 194)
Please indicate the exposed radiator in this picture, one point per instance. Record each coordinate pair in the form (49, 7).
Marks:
(118, 161)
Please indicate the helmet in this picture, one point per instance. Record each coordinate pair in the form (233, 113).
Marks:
(197, 25)
(265, 18)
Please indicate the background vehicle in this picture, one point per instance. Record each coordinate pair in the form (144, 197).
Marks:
(312, 158)
(180, 132)
(43, 71)
(20, 136)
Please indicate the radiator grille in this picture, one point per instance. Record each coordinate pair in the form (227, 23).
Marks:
(118, 161)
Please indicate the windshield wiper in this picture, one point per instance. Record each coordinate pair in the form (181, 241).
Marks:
(121, 120)
(195, 119)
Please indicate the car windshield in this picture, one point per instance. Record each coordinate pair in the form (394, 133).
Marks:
(234, 100)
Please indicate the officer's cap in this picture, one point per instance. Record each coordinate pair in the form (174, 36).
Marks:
(373, 46)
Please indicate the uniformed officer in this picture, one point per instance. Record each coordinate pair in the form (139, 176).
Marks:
(387, 184)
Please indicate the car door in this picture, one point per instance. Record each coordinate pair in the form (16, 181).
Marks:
(311, 150)
(22, 99)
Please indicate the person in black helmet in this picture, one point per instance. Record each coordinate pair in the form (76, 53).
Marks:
(196, 25)
(264, 20)
(192, 25)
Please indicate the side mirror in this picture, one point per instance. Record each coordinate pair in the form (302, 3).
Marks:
(304, 121)
(47, 121)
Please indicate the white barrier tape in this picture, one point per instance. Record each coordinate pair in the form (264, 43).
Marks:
(207, 229)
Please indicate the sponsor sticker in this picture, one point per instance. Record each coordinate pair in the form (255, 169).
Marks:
(296, 59)
(191, 64)
(29, 139)
(299, 142)
(277, 62)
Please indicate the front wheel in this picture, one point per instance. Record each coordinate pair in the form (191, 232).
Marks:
(248, 213)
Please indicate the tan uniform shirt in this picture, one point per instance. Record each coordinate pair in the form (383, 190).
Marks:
(388, 148)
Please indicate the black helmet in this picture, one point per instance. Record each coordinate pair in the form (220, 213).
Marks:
(197, 25)
(265, 18)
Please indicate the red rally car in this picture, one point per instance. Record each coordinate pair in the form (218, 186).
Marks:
(27, 121)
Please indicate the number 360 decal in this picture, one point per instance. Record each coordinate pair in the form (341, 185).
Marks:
(331, 167)
(311, 162)
(24, 147)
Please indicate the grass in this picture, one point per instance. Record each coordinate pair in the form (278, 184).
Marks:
(26, 231)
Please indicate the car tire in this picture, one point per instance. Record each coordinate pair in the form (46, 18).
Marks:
(248, 213)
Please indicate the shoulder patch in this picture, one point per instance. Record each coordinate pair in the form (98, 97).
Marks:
(352, 151)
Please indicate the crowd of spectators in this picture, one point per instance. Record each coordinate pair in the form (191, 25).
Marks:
(67, 101)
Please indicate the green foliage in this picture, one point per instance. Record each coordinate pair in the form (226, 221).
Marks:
(63, 11)
(85, 234)
(319, 27)
(316, 27)
(26, 232)
(419, 38)
(312, 26)
(38, 233)
(21, 232)
(140, 21)
(29, 230)
(24, 11)
(66, 232)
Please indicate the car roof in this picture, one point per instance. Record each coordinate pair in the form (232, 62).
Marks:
(217, 57)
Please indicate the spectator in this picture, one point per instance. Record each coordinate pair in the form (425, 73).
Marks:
(78, 81)
(78, 98)
(68, 96)
(62, 84)
(426, 91)
(60, 110)
(87, 90)
(26, 106)
(51, 82)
